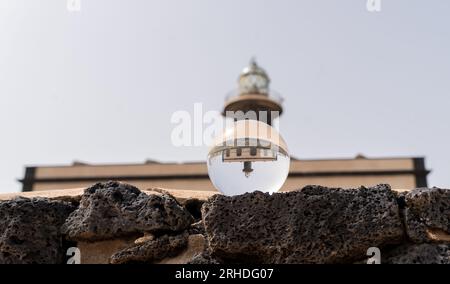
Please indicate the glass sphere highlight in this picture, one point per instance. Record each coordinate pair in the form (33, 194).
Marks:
(249, 156)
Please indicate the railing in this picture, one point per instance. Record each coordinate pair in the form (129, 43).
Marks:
(273, 95)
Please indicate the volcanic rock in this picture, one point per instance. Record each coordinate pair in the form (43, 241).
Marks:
(419, 254)
(30, 230)
(312, 225)
(152, 250)
(426, 210)
(112, 209)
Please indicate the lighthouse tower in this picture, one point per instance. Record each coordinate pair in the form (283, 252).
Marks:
(253, 99)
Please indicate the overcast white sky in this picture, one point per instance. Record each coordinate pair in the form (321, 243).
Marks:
(100, 85)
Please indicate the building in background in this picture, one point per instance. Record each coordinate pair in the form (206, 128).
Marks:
(255, 95)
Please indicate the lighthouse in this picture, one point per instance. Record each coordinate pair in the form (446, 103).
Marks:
(253, 98)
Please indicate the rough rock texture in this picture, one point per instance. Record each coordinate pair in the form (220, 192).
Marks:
(197, 228)
(204, 258)
(419, 254)
(30, 230)
(313, 225)
(117, 223)
(195, 246)
(112, 209)
(426, 209)
(152, 250)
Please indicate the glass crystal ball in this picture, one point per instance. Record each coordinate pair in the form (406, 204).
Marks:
(249, 156)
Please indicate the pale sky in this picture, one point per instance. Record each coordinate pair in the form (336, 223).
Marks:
(101, 84)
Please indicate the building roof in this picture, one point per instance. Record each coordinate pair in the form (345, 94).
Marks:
(167, 174)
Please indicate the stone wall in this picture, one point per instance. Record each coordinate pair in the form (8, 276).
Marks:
(117, 223)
